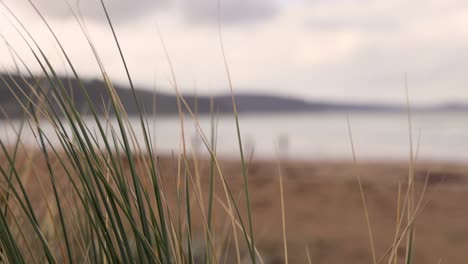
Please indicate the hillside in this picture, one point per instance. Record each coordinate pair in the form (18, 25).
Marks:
(167, 103)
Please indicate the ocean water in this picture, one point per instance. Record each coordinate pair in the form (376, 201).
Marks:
(376, 136)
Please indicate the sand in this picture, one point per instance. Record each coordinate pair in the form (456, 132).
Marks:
(324, 209)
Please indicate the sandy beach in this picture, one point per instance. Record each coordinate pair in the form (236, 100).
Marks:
(323, 205)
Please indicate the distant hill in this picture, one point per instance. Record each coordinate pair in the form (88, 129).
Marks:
(167, 103)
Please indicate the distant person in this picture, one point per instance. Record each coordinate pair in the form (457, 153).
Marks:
(249, 145)
(197, 142)
(283, 144)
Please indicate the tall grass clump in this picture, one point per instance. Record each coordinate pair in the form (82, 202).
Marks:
(103, 196)
(104, 199)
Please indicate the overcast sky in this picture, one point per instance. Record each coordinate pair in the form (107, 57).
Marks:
(345, 50)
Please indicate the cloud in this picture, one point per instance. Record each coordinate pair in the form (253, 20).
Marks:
(120, 10)
(232, 11)
(193, 11)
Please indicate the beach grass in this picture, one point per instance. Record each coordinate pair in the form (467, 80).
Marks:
(104, 199)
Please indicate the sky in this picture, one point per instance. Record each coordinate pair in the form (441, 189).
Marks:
(335, 50)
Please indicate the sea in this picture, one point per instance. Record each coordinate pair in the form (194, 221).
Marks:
(441, 136)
